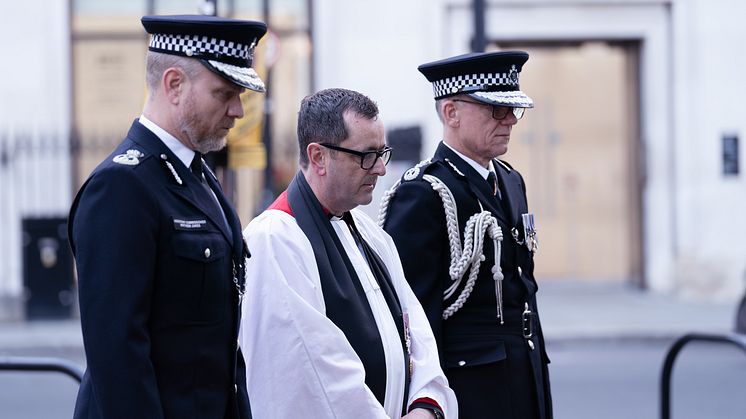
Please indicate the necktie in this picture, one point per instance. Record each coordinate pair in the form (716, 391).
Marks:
(196, 168)
(492, 180)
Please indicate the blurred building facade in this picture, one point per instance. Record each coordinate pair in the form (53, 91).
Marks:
(632, 155)
(35, 158)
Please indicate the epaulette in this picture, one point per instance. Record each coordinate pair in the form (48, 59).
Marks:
(130, 157)
(417, 171)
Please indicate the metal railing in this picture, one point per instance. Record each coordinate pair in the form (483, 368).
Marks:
(733, 339)
(19, 363)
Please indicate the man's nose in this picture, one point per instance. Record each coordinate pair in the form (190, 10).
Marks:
(235, 108)
(510, 119)
(379, 168)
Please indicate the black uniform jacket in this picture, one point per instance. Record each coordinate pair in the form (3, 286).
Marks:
(473, 336)
(159, 308)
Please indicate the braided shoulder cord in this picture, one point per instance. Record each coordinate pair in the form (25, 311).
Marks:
(410, 174)
(470, 256)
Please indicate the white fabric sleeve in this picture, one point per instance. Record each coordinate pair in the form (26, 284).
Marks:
(298, 363)
(428, 379)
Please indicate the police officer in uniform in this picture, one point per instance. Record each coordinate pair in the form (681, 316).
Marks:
(158, 247)
(462, 226)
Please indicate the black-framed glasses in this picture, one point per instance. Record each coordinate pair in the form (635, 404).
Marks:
(498, 112)
(368, 159)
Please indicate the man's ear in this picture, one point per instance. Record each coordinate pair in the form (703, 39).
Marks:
(317, 159)
(174, 82)
(450, 114)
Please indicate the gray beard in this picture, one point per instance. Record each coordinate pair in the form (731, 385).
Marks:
(210, 144)
(204, 145)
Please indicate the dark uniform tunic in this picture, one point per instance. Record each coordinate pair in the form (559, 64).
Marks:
(495, 371)
(159, 307)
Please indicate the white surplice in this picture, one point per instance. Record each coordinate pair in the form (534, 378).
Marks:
(299, 363)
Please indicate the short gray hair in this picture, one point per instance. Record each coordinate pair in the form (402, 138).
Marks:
(439, 109)
(156, 63)
(321, 117)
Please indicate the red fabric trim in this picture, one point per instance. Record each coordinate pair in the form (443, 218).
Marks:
(282, 204)
(429, 401)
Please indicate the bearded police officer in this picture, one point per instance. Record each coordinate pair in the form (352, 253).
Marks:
(158, 247)
(462, 226)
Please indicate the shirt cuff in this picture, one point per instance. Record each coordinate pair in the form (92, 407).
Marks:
(429, 404)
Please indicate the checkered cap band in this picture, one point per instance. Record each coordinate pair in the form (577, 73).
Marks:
(198, 46)
(470, 82)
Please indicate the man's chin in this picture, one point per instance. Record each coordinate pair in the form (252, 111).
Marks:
(367, 197)
(214, 144)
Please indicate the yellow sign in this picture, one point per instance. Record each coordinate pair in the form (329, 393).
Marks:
(245, 147)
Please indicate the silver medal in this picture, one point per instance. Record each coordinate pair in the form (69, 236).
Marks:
(529, 232)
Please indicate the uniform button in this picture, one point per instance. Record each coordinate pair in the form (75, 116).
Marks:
(164, 157)
(207, 252)
(520, 271)
(235, 388)
(531, 345)
(461, 363)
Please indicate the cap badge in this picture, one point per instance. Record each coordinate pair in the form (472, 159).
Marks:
(513, 75)
(130, 157)
(251, 49)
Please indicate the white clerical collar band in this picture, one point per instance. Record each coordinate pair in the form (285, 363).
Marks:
(199, 46)
(466, 83)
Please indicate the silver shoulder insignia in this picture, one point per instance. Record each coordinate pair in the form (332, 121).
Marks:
(131, 157)
(412, 173)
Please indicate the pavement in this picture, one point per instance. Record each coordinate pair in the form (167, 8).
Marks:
(570, 310)
(578, 310)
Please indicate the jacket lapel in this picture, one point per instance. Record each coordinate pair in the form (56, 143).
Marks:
(230, 215)
(510, 189)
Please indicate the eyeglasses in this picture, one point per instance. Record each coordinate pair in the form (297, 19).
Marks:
(498, 112)
(368, 159)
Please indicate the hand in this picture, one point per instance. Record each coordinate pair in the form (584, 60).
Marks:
(419, 414)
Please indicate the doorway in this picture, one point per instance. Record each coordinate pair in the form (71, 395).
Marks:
(579, 153)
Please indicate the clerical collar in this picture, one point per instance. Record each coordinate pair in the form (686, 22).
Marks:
(181, 151)
(478, 167)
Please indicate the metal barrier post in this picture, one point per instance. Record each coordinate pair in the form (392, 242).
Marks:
(735, 339)
(18, 363)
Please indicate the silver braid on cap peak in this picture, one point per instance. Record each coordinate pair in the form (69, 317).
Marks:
(247, 76)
